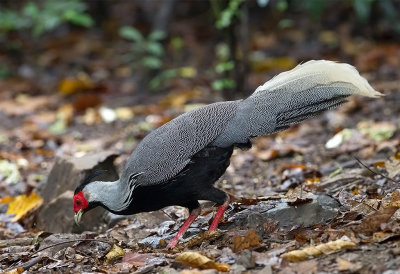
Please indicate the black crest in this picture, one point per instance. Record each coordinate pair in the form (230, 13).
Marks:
(88, 179)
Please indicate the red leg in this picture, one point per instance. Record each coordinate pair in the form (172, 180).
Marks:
(193, 215)
(219, 214)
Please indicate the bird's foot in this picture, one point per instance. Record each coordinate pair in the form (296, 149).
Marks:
(193, 215)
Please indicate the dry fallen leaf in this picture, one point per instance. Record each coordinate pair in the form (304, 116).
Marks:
(250, 239)
(22, 205)
(312, 251)
(195, 259)
(191, 271)
(114, 254)
(378, 131)
(16, 271)
(372, 223)
(298, 196)
(393, 167)
(72, 85)
(137, 259)
(200, 238)
(344, 265)
(381, 236)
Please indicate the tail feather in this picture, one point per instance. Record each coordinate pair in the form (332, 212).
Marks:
(293, 96)
(319, 72)
(294, 116)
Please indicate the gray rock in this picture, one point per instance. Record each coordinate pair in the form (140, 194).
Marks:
(321, 209)
(246, 259)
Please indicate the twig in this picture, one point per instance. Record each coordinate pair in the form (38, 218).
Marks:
(25, 265)
(70, 241)
(168, 215)
(373, 171)
(17, 241)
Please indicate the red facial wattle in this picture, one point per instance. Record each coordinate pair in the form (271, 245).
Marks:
(79, 202)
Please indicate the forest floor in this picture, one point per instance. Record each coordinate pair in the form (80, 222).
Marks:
(321, 197)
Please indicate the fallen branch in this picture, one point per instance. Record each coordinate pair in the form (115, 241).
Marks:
(373, 171)
(70, 241)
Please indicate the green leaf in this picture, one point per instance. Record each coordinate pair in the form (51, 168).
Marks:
(151, 62)
(282, 5)
(78, 18)
(225, 66)
(31, 10)
(225, 83)
(363, 9)
(155, 49)
(286, 23)
(176, 43)
(131, 33)
(227, 16)
(157, 35)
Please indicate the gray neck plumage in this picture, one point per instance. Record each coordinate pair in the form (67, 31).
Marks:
(115, 196)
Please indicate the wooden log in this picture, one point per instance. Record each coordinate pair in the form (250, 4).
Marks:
(56, 214)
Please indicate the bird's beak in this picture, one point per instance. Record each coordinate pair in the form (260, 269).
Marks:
(78, 216)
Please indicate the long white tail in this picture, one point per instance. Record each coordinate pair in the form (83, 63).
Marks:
(292, 96)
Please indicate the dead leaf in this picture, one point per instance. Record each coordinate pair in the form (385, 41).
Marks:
(372, 223)
(377, 131)
(308, 267)
(250, 239)
(23, 105)
(381, 236)
(200, 238)
(16, 271)
(114, 254)
(137, 259)
(85, 101)
(313, 251)
(265, 65)
(344, 265)
(298, 196)
(191, 271)
(64, 117)
(393, 167)
(72, 85)
(177, 99)
(124, 113)
(22, 205)
(281, 150)
(379, 164)
(195, 259)
(9, 172)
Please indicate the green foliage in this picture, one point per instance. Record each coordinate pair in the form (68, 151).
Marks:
(223, 68)
(146, 52)
(226, 17)
(46, 16)
(166, 75)
(4, 71)
(282, 5)
(362, 9)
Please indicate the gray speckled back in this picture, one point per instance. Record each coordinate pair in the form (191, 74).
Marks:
(168, 149)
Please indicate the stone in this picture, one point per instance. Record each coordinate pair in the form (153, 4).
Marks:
(320, 209)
